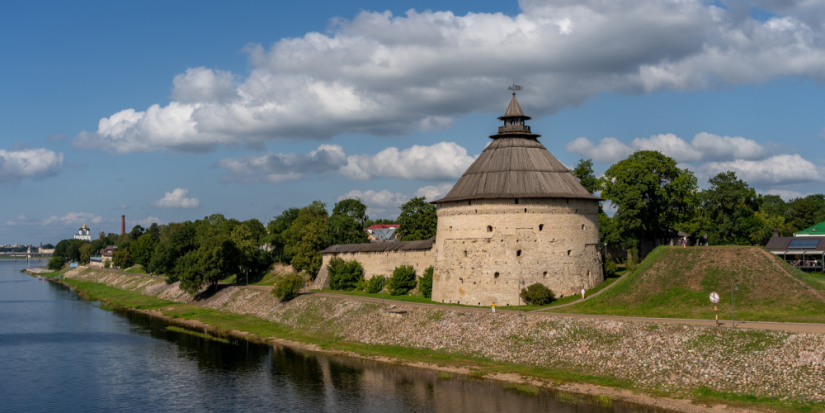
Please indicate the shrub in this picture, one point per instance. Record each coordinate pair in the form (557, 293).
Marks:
(107, 264)
(344, 275)
(402, 280)
(376, 284)
(610, 268)
(287, 286)
(56, 263)
(537, 294)
(425, 284)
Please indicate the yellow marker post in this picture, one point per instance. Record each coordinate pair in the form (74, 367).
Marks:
(494, 307)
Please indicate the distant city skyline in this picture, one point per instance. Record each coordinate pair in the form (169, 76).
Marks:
(175, 111)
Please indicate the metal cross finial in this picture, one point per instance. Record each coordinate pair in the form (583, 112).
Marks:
(515, 88)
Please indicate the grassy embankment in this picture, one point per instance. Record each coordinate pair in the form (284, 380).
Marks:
(222, 322)
(676, 282)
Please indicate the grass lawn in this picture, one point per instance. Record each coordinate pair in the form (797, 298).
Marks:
(676, 282)
(137, 269)
(268, 280)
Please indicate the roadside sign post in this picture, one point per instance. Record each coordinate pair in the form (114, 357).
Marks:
(714, 298)
(732, 314)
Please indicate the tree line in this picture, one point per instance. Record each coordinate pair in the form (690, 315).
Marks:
(203, 252)
(654, 198)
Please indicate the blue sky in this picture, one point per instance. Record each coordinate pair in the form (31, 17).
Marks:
(264, 106)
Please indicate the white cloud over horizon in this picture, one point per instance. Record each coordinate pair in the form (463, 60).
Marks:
(177, 198)
(388, 75)
(28, 163)
(440, 161)
(385, 203)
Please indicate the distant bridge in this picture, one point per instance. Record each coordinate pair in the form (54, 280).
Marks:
(26, 255)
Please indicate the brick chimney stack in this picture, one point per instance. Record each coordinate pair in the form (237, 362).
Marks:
(776, 232)
(122, 224)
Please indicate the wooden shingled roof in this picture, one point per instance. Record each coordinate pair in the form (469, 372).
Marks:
(516, 165)
(381, 247)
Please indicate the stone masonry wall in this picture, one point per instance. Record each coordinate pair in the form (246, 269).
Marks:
(379, 263)
(486, 247)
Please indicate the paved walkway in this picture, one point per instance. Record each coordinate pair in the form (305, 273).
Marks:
(764, 325)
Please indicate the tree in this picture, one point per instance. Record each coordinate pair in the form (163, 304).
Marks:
(69, 249)
(425, 284)
(248, 236)
(143, 249)
(418, 220)
(651, 195)
(345, 275)
(537, 294)
(306, 237)
(136, 232)
(729, 205)
(176, 240)
(287, 286)
(806, 212)
(584, 173)
(154, 230)
(346, 224)
(276, 229)
(402, 280)
(122, 258)
(215, 259)
(86, 252)
(56, 263)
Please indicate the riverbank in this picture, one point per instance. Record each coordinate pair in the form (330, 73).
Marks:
(777, 370)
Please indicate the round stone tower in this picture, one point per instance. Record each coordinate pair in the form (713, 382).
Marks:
(516, 217)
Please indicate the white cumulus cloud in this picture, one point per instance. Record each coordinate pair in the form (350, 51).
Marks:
(786, 194)
(387, 75)
(177, 198)
(444, 160)
(433, 192)
(776, 170)
(74, 218)
(440, 161)
(703, 147)
(276, 167)
(28, 163)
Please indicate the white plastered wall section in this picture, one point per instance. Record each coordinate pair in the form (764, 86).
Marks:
(485, 248)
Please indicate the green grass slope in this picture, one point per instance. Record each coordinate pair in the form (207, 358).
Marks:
(675, 282)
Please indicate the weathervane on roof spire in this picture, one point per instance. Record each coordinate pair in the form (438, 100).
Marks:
(515, 88)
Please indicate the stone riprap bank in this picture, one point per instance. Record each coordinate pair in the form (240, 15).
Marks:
(663, 357)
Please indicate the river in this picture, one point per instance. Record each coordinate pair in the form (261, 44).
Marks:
(61, 353)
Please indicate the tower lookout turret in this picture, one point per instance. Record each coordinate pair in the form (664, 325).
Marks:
(516, 217)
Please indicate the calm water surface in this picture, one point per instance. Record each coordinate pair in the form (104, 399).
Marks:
(60, 353)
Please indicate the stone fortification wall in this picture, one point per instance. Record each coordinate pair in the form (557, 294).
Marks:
(486, 247)
(379, 263)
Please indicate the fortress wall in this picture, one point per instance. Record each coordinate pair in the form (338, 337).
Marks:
(477, 265)
(379, 263)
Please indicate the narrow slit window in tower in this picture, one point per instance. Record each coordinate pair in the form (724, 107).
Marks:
(518, 253)
(568, 252)
(495, 275)
(541, 227)
(489, 228)
(545, 273)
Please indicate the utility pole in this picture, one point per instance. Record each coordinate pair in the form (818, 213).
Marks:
(732, 313)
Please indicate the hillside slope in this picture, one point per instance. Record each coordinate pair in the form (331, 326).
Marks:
(676, 282)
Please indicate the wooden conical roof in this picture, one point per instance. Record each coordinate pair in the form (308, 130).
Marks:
(516, 165)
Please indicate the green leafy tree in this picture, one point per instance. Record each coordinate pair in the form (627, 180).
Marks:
(418, 220)
(154, 231)
(86, 252)
(176, 240)
(69, 249)
(56, 263)
(288, 286)
(122, 258)
(306, 237)
(425, 284)
(277, 229)
(806, 212)
(729, 205)
(402, 280)
(346, 224)
(537, 294)
(376, 284)
(345, 275)
(143, 249)
(584, 173)
(136, 232)
(215, 259)
(249, 236)
(651, 195)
